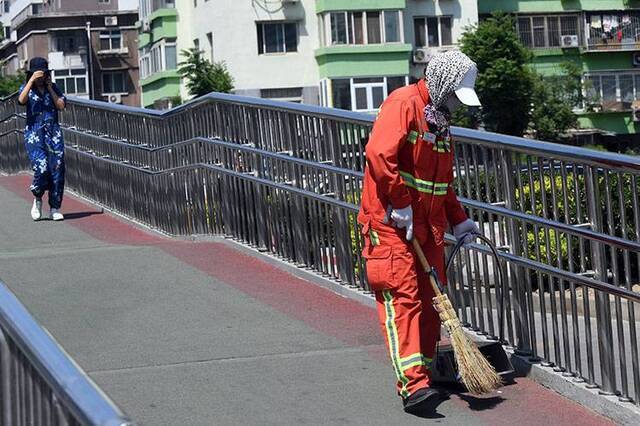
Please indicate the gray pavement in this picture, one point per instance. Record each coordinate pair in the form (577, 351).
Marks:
(177, 344)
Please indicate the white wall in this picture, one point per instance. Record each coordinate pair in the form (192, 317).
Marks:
(235, 41)
(128, 4)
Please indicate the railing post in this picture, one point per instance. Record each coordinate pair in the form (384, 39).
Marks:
(5, 370)
(514, 278)
(603, 305)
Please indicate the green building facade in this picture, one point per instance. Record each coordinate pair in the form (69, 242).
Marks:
(159, 79)
(603, 38)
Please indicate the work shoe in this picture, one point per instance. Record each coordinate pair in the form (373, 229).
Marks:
(423, 401)
(55, 214)
(36, 209)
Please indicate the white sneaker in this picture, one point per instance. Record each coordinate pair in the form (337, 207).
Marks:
(36, 210)
(55, 214)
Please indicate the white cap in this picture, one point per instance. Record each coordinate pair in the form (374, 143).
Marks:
(465, 91)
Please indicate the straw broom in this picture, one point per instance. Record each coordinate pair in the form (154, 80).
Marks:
(475, 371)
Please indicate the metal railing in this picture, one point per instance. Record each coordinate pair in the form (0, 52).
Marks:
(286, 178)
(39, 383)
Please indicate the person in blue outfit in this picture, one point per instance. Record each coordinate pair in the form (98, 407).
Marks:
(43, 137)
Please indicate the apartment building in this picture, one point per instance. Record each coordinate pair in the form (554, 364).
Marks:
(603, 38)
(90, 44)
(341, 53)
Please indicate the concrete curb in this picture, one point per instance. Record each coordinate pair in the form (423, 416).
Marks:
(623, 413)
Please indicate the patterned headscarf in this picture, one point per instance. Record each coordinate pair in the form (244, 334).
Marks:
(444, 74)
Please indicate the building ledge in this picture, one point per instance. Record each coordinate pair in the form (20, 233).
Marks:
(124, 51)
(160, 13)
(555, 51)
(363, 48)
(341, 5)
(159, 76)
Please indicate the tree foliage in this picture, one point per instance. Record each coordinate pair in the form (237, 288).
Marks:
(553, 100)
(203, 76)
(504, 82)
(10, 83)
(515, 98)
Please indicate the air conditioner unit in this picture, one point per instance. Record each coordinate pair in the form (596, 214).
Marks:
(422, 56)
(635, 111)
(110, 21)
(24, 63)
(636, 59)
(146, 27)
(569, 41)
(115, 99)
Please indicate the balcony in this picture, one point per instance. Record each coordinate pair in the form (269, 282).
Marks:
(612, 31)
(605, 45)
(67, 60)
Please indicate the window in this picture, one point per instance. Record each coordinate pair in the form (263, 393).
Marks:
(104, 1)
(160, 57)
(196, 44)
(210, 40)
(278, 37)
(7, 6)
(147, 7)
(289, 94)
(366, 27)
(68, 41)
(71, 81)
(110, 40)
(433, 31)
(113, 82)
(541, 31)
(363, 94)
(612, 91)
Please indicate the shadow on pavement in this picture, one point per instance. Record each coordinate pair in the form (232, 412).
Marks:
(431, 414)
(481, 404)
(80, 215)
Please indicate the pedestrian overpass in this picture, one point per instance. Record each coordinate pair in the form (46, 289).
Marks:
(213, 320)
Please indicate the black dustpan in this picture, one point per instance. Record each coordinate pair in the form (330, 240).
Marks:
(444, 371)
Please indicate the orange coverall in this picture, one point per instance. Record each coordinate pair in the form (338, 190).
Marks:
(406, 164)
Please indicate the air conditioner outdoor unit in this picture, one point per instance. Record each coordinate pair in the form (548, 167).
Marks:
(569, 41)
(422, 56)
(115, 99)
(146, 27)
(110, 21)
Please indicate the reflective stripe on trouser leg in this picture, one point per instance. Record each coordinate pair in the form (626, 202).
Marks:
(402, 336)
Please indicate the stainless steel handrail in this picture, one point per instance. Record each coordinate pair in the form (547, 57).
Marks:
(74, 395)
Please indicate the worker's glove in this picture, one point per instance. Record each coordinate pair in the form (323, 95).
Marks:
(466, 231)
(403, 218)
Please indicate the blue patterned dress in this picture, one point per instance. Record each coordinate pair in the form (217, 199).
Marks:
(45, 145)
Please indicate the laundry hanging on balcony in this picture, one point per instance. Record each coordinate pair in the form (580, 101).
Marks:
(596, 23)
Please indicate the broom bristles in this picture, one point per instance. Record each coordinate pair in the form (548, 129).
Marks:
(477, 374)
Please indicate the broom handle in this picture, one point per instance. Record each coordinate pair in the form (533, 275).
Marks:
(425, 265)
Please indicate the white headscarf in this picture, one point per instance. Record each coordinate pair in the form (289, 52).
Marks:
(444, 74)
